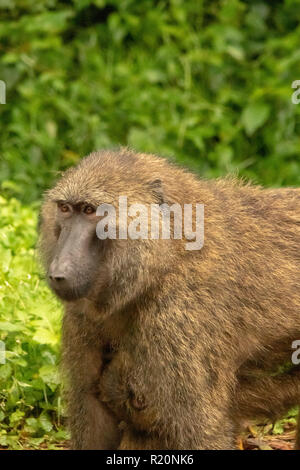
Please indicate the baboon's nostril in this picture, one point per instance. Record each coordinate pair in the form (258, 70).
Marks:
(59, 278)
(55, 278)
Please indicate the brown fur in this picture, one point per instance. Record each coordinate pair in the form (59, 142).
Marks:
(185, 330)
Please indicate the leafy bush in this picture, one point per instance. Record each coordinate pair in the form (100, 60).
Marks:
(206, 82)
(30, 406)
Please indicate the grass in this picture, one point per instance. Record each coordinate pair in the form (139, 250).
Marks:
(31, 411)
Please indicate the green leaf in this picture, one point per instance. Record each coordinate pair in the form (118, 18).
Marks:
(254, 116)
(6, 257)
(16, 417)
(278, 427)
(45, 422)
(5, 371)
(43, 336)
(7, 326)
(49, 374)
(32, 425)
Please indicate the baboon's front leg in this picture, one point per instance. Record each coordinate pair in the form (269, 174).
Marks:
(132, 440)
(92, 425)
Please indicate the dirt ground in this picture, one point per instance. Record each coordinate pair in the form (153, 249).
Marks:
(262, 437)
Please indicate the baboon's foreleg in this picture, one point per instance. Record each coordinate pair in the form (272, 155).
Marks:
(132, 440)
(268, 396)
(92, 425)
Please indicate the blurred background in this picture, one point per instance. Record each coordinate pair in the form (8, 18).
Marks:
(206, 82)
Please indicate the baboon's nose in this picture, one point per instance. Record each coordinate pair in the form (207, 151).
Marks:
(59, 280)
(58, 273)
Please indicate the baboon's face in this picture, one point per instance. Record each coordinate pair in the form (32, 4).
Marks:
(77, 252)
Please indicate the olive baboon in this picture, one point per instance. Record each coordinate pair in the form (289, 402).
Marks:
(167, 348)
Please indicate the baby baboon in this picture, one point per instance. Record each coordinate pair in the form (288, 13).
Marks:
(166, 347)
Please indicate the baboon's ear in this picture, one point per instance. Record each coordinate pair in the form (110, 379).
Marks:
(156, 188)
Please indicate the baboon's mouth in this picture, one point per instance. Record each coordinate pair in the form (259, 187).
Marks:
(70, 293)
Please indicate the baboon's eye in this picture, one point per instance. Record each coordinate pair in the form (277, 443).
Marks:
(89, 210)
(63, 207)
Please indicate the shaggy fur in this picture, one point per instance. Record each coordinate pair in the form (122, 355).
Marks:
(178, 345)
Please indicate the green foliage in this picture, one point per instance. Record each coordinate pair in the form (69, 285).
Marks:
(30, 406)
(208, 82)
(289, 418)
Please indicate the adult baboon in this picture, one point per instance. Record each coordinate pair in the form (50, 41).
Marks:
(171, 342)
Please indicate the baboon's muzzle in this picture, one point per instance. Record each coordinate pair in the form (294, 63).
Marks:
(73, 268)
